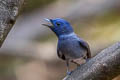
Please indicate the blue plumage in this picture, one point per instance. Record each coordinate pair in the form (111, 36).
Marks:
(70, 47)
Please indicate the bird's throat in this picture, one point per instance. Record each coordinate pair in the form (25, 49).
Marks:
(68, 35)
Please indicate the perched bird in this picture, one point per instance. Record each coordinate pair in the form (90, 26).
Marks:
(70, 47)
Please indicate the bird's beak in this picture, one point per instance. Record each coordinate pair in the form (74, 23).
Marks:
(49, 22)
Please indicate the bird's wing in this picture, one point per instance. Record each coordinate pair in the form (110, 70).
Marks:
(86, 46)
(60, 55)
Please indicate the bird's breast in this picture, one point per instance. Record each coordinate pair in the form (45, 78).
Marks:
(70, 48)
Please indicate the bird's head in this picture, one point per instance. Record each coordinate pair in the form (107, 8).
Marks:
(59, 26)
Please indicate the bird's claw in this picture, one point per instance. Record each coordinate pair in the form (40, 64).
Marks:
(69, 72)
(87, 59)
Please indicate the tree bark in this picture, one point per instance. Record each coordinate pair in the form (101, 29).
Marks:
(104, 66)
(9, 10)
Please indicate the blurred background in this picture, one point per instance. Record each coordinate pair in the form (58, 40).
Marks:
(29, 51)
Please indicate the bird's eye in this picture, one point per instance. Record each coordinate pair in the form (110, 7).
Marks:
(58, 24)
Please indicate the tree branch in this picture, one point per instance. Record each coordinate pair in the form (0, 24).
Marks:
(9, 10)
(104, 66)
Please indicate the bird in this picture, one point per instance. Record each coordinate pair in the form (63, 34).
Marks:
(70, 47)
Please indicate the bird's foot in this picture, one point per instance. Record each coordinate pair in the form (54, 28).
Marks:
(69, 72)
(87, 59)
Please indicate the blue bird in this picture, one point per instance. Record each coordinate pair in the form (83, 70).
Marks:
(70, 47)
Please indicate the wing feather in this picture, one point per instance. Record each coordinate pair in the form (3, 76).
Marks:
(86, 46)
(60, 55)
